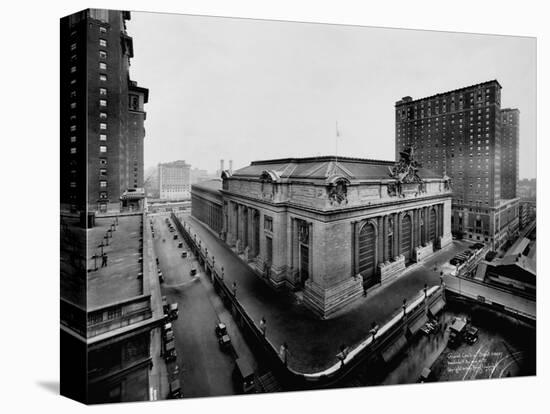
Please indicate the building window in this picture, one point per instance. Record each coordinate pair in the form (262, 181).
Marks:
(115, 313)
(73, 69)
(102, 43)
(73, 105)
(73, 184)
(73, 150)
(73, 139)
(102, 137)
(102, 66)
(103, 78)
(102, 29)
(103, 161)
(103, 183)
(102, 148)
(102, 54)
(103, 195)
(102, 115)
(102, 172)
(102, 125)
(102, 102)
(73, 94)
(73, 128)
(73, 46)
(102, 91)
(268, 223)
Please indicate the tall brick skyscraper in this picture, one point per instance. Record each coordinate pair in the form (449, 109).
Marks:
(459, 133)
(102, 114)
(510, 153)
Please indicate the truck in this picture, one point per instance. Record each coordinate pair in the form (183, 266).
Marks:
(457, 330)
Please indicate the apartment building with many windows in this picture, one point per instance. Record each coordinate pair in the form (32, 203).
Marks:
(102, 114)
(460, 134)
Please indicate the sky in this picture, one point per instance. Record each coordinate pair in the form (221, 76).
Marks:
(240, 89)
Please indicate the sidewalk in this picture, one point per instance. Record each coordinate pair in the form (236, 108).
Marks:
(313, 343)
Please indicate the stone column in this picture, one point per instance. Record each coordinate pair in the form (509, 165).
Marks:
(427, 223)
(385, 238)
(353, 249)
(397, 234)
(379, 241)
(239, 228)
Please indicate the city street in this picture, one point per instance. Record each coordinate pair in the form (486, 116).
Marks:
(314, 343)
(204, 368)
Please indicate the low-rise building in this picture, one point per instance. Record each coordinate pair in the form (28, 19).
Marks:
(332, 226)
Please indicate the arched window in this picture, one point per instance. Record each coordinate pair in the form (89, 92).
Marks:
(367, 250)
(406, 239)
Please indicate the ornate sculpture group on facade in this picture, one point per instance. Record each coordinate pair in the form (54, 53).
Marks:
(405, 171)
(268, 179)
(338, 192)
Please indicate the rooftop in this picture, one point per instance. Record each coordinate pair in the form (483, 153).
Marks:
(324, 167)
(209, 186)
(119, 279)
(404, 101)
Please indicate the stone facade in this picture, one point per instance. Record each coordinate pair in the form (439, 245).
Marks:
(332, 227)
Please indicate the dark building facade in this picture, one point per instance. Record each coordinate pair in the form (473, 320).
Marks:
(459, 134)
(107, 313)
(510, 153)
(102, 112)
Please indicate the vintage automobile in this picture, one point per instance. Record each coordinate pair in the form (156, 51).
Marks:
(220, 330)
(170, 353)
(244, 377)
(172, 311)
(471, 335)
(180, 245)
(193, 271)
(175, 236)
(424, 375)
(456, 332)
(184, 254)
(175, 390)
(223, 338)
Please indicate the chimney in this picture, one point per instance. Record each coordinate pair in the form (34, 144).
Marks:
(221, 166)
(231, 166)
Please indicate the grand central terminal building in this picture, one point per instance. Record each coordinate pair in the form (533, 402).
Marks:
(330, 226)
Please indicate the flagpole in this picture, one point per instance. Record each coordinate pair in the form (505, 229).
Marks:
(337, 135)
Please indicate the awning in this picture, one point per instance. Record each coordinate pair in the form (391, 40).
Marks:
(418, 323)
(437, 306)
(393, 349)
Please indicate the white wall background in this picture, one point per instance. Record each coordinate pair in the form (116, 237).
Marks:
(30, 194)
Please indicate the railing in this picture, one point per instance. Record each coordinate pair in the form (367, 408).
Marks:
(367, 351)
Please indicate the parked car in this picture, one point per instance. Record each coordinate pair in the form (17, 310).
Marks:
(424, 375)
(175, 236)
(220, 330)
(244, 377)
(184, 254)
(471, 335)
(170, 353)
(172, 311)
(175, 390)
(180, 245)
